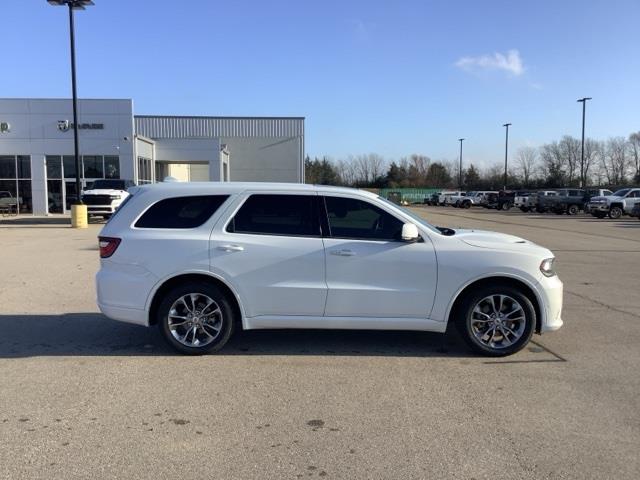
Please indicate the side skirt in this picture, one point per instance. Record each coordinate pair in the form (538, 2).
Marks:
(344, 323)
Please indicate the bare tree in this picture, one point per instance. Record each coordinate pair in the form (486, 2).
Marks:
(570, 151)
(368, 168)
(615, 160)
(634, 142)
(526, 162)
(553, 164)
(592, 152)
(346, 172)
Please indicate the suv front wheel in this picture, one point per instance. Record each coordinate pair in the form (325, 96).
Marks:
(615, 212)
(196, 318)
(496, 320)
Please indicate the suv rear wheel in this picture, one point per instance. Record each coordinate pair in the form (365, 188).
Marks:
(573, 210)
(496, 320)
(196, 318)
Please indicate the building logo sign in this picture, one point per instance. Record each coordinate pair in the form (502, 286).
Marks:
(5, 127)
(65, 125)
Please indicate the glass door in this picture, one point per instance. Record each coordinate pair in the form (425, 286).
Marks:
(55, 187)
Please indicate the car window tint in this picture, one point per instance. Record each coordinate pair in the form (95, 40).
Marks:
(181, 212)
(351, 218)
(294, 215)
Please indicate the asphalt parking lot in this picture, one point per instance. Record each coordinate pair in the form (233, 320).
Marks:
(82, 396)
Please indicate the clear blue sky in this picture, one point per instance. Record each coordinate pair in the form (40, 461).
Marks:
(392, 77)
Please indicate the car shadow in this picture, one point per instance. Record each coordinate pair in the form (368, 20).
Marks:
(92, 334)
(57, 221)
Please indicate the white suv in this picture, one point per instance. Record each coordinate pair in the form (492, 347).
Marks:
(200, 259)
(105, 196)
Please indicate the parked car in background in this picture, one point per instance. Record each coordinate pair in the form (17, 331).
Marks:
(432, 199)
(619, 203)
(455, 200)
(561, 202)
(533, 198)
(8, 203)
(474, 199)
(445, 196)
(201, 259)
(105, 196)
(503, 200)
(521, 201)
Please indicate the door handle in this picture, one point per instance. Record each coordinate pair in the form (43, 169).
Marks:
(343, 253)
(230, 248)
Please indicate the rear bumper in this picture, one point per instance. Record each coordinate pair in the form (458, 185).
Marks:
(122, 314)
(122, 291)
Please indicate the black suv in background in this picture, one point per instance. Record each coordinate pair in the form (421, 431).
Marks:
(503, 200)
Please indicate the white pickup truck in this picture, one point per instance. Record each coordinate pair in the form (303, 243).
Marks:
(446, 196)
(105, 196)
(616, 205)
(471, 198)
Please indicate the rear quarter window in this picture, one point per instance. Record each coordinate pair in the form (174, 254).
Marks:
(181, 212)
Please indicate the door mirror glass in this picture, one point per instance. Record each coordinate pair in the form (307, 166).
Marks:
(410, 233)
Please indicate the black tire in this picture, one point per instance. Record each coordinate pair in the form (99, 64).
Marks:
(463, 319)
(466, 205)
(226, 319)
(506, 206)
(615, 212)
(573, 210)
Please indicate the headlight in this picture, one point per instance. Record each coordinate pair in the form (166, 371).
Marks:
(546, 267)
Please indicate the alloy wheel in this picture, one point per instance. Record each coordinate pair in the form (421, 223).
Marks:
(498, 321)
(195, 320)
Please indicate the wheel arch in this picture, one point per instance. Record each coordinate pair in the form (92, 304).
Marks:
(156, 296)
(528, 290)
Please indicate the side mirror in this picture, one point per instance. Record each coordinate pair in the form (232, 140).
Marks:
(409, 233)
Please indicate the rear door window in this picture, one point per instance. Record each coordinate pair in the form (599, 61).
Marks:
(181, 212)
(267, 214)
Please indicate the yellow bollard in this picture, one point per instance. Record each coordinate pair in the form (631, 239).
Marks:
(79, 216)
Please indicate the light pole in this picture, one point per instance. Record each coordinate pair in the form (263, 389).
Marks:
(74, 5)
(460, 171)
(584, 105)
(506, 152)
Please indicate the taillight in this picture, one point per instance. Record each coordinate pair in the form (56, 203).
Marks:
(108, 246)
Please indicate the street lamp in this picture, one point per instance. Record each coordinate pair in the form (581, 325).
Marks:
(584, 104)
(76, 213)
(460, 171)
(506, 151)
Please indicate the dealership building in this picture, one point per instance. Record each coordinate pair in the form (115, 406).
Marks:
(37, 165)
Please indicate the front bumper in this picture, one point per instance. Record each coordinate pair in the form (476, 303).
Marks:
(551, 289)
(100, 209)
(597, 207)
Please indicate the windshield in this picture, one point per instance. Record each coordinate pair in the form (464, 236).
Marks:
(413, 216)
(622, 193)
(108, 185)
